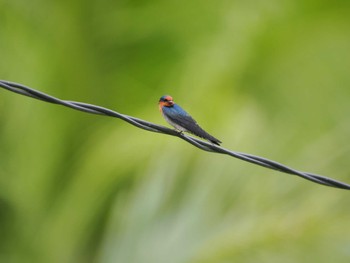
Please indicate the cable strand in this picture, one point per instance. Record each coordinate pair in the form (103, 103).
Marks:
(152, 127)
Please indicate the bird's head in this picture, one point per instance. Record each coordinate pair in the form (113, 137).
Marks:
(166, 101)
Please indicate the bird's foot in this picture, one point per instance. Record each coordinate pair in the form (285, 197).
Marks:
(179, 131)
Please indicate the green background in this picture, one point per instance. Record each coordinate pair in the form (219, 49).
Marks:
(270, 78)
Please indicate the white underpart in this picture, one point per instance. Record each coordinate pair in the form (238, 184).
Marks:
(176, 126)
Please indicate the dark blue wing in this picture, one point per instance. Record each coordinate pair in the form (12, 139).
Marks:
(179, 116)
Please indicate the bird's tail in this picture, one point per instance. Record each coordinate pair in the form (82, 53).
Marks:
(203, 134)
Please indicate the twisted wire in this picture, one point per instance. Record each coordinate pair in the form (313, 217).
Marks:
(206, 146)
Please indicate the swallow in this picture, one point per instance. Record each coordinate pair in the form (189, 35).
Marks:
(181, 120)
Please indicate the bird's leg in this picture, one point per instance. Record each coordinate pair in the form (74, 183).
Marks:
(179, 131)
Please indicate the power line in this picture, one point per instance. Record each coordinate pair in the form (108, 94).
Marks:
(206, 146)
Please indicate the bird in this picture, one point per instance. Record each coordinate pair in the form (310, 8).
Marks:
(181, 120)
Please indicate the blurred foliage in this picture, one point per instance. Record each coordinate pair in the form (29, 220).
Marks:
(266, 77)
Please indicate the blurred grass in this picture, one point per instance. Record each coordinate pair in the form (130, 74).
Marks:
(265, 77)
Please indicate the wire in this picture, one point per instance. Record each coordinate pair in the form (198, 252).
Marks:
(206, 146)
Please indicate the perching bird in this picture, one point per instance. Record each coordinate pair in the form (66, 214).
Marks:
(181, 120)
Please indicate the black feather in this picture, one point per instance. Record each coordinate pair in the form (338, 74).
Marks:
(176, 115)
